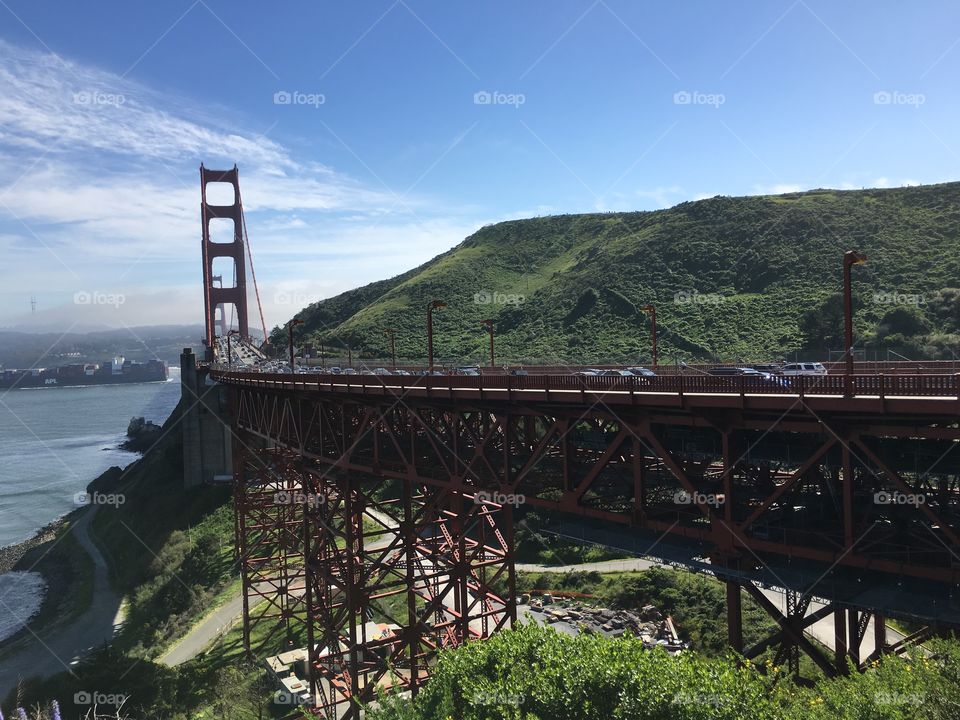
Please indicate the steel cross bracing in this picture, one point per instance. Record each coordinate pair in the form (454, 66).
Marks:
(789, 493)
(324, 552)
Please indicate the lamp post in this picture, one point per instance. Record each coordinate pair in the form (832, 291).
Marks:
(434, 305)
(290, 326)
(392, 334)
(489, 324)
(230, 349)
(850, 258)
(323, 362)
(652, 311)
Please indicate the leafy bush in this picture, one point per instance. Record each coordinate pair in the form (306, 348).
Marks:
(535, 673)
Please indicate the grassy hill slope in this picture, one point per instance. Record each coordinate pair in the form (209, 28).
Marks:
(732, 278)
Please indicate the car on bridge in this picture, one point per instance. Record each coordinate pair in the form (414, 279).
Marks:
(617, 373)
(381, 371)
(642, 372)
(803, 368)
(730, 371)
(747, 372)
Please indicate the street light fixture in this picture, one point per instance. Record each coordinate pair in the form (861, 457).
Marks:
(230, 350)
(489, 324)
(290, 326)
(434, 305)
(392, 334)
(652, 311)
(850, 258)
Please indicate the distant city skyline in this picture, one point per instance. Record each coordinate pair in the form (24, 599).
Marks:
(372, 137)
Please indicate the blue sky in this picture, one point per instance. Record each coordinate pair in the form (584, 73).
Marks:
(412, 123)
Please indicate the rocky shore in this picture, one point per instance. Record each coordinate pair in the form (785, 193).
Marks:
(141, 435)
(12, 554)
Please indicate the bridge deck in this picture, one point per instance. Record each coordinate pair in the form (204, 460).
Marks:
(873, 394)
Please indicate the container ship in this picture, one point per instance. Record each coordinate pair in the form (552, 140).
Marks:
(118, 370)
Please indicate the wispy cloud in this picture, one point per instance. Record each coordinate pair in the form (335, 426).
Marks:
(99, 181)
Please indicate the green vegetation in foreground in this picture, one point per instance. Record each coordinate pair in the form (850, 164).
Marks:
(535, 673)
(170, 548)
(746, 278)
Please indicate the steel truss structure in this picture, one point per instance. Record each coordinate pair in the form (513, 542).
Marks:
(856, 510)
(325, 552)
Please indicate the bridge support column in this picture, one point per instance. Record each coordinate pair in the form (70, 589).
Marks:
(268, 507)
(840, 640)
(879, 634)
(395, 571)
(734, 616)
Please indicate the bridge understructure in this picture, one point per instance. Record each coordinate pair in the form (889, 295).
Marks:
(324, 551)
(850, 505)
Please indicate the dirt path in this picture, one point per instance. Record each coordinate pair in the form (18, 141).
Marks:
(60, 647)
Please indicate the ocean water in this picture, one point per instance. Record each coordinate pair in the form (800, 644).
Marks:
(53, 441)
(21, 594)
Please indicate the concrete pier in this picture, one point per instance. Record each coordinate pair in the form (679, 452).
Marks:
(205, 426)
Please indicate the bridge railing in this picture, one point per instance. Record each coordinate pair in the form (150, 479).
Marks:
(825, 385)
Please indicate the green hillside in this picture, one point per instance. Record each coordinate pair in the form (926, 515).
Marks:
(748, 278)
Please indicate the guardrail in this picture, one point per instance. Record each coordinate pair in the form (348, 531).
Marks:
(877, 386)
(860, 367)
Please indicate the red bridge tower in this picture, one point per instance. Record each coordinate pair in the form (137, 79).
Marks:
(215, 297)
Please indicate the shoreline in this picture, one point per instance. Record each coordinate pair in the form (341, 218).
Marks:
(10, 555)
